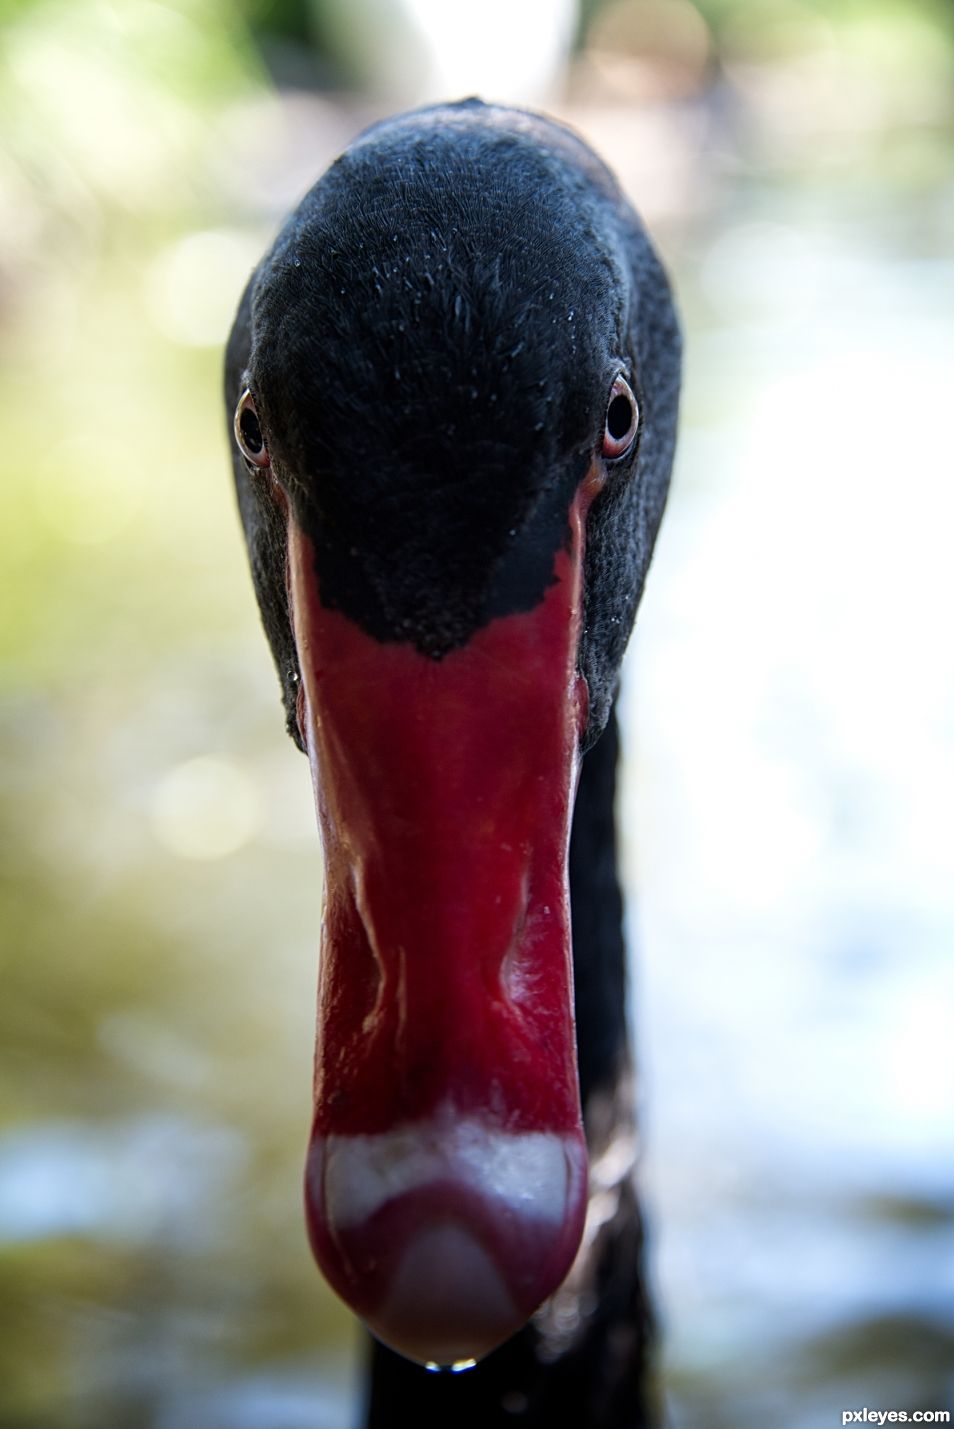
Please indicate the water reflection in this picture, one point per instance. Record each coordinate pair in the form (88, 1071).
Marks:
(141, 1180)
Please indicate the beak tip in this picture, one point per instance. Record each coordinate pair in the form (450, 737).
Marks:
(426, 1318)
(445, 1242)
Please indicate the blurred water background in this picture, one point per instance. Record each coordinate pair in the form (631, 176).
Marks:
(789, 701)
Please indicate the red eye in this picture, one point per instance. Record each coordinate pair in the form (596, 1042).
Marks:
(248, 431)
(622, 419)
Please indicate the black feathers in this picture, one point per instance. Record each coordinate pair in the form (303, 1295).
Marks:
(430, 344)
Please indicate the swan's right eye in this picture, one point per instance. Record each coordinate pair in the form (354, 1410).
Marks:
(622, 420)
(248, 432)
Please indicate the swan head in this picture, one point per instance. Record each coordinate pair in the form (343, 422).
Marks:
(453, 381)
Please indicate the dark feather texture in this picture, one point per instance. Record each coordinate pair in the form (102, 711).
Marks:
(431, 342)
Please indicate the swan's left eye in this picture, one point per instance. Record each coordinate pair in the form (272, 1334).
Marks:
(622, 419)
(248, 431)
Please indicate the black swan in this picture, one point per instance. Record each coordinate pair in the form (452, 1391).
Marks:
(454, 382)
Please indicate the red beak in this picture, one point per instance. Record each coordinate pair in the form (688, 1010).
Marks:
(446, 1182)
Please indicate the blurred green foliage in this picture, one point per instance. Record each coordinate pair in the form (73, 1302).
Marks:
(129, 645)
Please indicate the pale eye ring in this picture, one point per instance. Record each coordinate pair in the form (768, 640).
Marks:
(622, 420)
(248, 432)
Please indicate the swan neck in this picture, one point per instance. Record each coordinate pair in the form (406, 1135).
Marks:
(596, 904)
